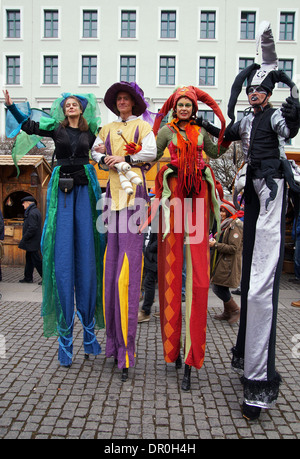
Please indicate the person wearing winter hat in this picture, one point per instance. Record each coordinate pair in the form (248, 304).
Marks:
(72, 248)
(128, 140)
(226, 269)
(189, 181)
(31, 238)
(263, 132)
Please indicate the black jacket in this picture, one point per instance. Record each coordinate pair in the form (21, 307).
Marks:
(32, 229)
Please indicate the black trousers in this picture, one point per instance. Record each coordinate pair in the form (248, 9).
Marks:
(149, 290)
(222, 292)
(33, 260)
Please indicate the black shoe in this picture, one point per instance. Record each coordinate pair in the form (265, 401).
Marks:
(186, 382)
(26, 281)
(178, 362)
(124, 376)
(250, 412)
(236, 292)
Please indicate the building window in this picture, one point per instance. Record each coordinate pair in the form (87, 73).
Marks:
(287, 26)
(127, 68)
(89, 70)
(287, 66)
(167, 70)
(244, 62)
(13, 23)
(208, 24)
(90, 24)
(248, 25)
(128, 24)
(168, 24)
(207, 71)
(13, 70)
(50, 70)
(50, 24)
(207, 115)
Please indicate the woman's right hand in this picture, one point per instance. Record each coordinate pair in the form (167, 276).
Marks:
(7, 98)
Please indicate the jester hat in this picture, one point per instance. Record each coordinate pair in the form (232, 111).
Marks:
(195, 95)
(265, 75)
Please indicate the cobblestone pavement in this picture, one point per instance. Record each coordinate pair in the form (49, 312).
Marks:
(39, 399)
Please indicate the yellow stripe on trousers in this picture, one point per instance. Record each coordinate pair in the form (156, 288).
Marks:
(103, 292)
(123, 284)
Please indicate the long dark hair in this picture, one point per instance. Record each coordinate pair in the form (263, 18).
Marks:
(82, 123)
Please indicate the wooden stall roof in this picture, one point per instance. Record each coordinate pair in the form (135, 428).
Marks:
(27, 160)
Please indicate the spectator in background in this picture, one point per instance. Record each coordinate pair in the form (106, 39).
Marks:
(228, 266)
(31, 239)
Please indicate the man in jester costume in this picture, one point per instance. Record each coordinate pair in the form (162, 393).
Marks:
(263, 131)
(128, 140)
(187, 184)
(72, 247)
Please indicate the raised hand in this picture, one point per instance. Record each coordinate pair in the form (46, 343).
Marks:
(7, 97)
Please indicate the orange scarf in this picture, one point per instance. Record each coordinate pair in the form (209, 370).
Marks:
(189, 157)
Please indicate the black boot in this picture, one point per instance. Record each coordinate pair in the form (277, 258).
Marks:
(178, 362)
(186, 382)
(124, 376)
(250, 412)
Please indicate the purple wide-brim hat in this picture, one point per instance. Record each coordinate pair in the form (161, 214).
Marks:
(133, 89)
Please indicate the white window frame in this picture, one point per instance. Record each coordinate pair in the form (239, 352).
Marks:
(88, 53)
(48, 85)
(4, 21)
(4, 66)
(208, 8)
(207, 55)
(168, 8)
(159, 55)
(257, 22)
(287, 10)
(86, 8)
(137, 15)
(129, 54)
(50, 8)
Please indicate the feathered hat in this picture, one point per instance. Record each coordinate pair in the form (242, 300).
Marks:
(195, 95)
(265, 75)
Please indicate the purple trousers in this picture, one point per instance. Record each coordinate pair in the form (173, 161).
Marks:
(122, 283)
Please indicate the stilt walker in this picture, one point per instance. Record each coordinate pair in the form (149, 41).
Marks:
(188, 185)
(72, 247)
(263, 132)
(128, 140)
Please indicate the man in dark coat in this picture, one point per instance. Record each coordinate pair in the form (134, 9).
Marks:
(31, 239)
